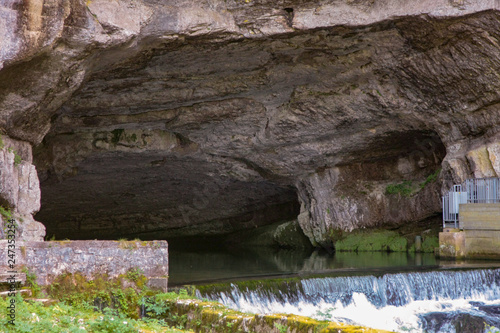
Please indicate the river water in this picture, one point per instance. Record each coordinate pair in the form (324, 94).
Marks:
(392, 291)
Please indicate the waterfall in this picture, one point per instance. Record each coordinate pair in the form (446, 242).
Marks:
(401, 289)
(416, 300)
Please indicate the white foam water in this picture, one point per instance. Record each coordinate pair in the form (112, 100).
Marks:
(438, 301)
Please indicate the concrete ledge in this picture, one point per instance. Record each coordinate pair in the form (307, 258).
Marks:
(113, 258)
(24, 292)
(18, 277)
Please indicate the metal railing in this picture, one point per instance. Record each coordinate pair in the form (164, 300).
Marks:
(479, 190)
(482, 190)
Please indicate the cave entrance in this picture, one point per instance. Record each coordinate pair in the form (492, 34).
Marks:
(155, 195)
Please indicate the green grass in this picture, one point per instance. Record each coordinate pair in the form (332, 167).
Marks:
(61, 317)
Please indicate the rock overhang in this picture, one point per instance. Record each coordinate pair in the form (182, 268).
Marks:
(258, 97)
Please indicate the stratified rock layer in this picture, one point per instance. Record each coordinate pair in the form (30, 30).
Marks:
(19, 192)
(185, 118)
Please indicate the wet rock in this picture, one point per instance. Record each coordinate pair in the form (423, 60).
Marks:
(287, 235)
(460, 323)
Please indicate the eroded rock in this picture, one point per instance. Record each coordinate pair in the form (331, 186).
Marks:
(182, 118)
(19, 191)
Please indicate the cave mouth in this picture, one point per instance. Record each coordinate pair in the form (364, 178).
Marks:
(187, 199)
(155, 195)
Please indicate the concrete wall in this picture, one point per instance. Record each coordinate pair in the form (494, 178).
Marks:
(451, 244)
(480, 237)
(49, 259)
(481, 225)
(480, 216)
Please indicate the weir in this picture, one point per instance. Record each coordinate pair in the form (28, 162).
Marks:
(391, 301)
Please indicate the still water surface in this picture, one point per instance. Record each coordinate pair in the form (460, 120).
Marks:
(205, 266)
(396, 291)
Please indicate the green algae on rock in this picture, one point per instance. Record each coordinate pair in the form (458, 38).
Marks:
(213, 317)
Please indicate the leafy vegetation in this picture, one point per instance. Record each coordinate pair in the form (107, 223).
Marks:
(98, 305)
(135, 274)
(405, 188)
(281, 328)
(116, 305)
(6, 213)
(102, 292)
(17, 157)
(32, 316)
(31, 282)
(159, 312)
(431, 178)
(116, 135)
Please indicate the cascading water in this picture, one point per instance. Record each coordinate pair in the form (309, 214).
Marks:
(437, 301)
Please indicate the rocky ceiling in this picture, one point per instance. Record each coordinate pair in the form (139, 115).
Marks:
(232, 119)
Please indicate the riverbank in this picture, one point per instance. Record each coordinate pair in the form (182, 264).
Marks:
(125, 304)
(36, 316)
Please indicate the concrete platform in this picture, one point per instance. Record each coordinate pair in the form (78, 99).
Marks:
(478, 236)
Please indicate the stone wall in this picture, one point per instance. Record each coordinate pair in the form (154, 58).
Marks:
(113, 258)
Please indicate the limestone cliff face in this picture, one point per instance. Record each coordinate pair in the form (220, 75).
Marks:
(158, 119)
(19, 192)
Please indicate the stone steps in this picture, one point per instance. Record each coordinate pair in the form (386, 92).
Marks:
(19, 277)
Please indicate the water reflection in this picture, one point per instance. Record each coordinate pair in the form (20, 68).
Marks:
(204, 266)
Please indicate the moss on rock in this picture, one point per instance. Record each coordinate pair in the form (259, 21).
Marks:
(123, 293)
(379, 240)
(401, 239)
(290, 235)
(214, 317)
(429, 243)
